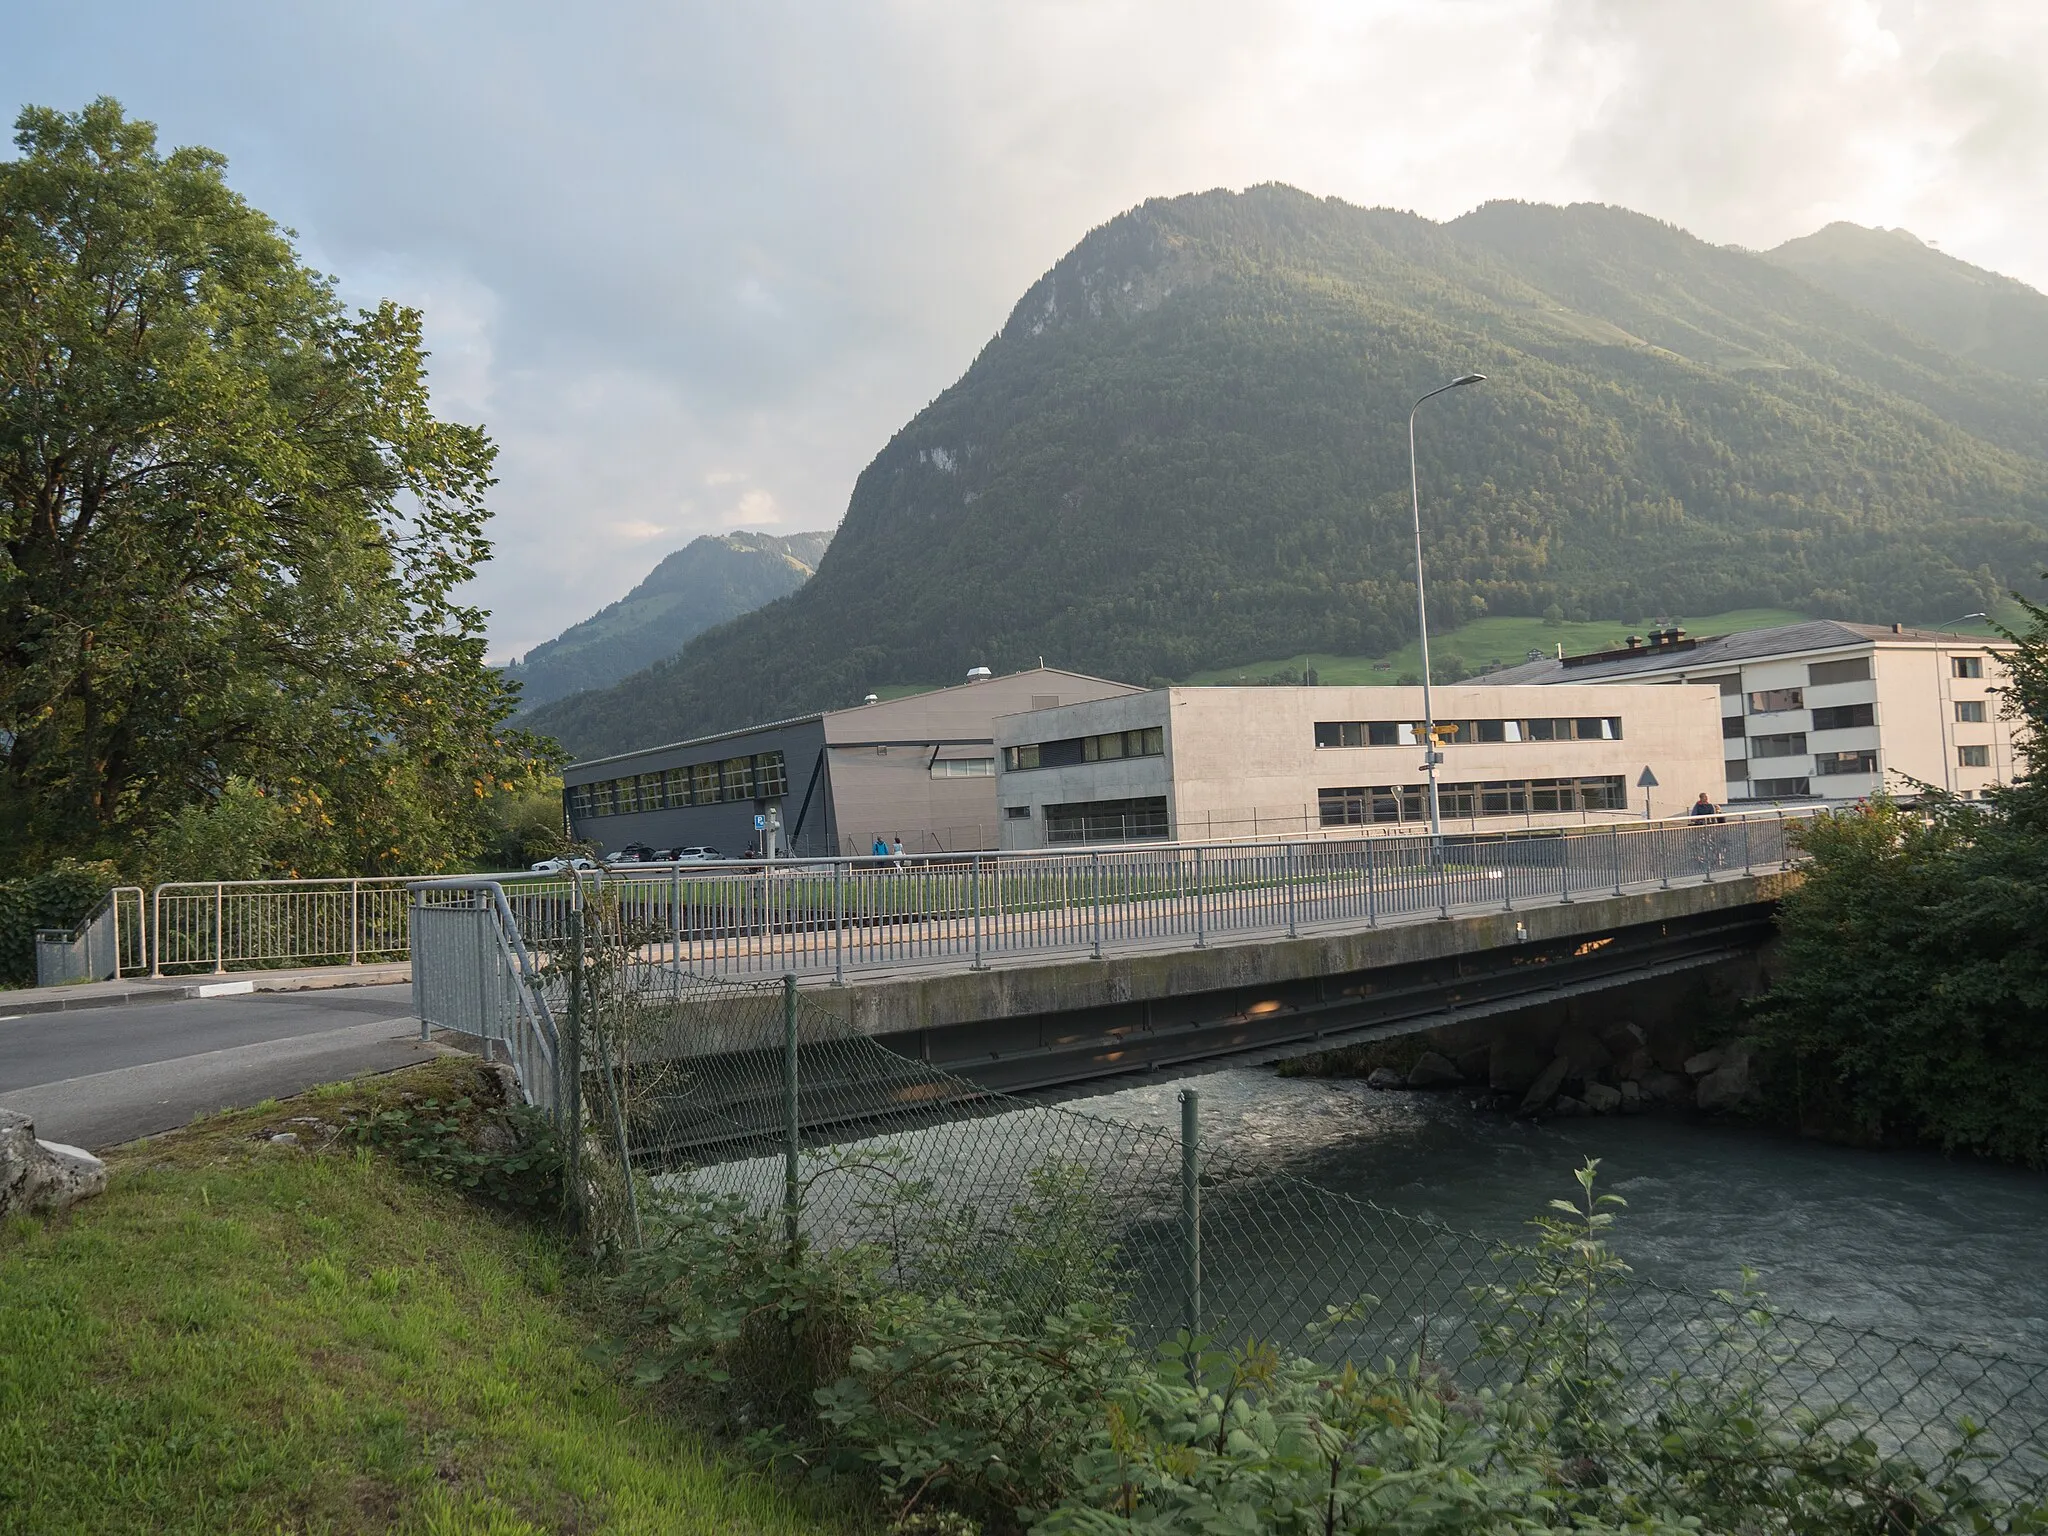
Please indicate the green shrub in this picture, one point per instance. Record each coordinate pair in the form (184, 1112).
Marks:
(62, 896)
(508, 1155)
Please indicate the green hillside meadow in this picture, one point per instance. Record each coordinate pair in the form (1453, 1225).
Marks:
(1185, 452)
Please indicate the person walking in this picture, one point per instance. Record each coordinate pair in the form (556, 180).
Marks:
(1706, 816)
(1705, 807)
(881, 848)
(901, 861)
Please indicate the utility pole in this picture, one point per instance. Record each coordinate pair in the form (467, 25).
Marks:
(1432, 756)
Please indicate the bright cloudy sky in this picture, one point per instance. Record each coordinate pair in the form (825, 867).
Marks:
(693, 263)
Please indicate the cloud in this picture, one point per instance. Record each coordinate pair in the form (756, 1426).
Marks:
(659, 239)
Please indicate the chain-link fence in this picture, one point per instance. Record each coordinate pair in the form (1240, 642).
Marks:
(761, 1092)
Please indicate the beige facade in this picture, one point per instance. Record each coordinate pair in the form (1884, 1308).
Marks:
(1213, 763)
(1827, 710)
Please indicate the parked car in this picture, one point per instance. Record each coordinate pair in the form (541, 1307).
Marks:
(699, 854)
(632, 853)
(560, 866)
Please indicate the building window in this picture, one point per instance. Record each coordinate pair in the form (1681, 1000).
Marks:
(1969, 666)
(1107, 747)
(1775, 701)
(1793, 745)
(1106, 821)
(1854, 670)
(1408, 733)
(1728, 682)
(771, 776)
(1844, 717)
(1970, 711)
(1364, 805)
(1736, 768)
(1780, 789)
(1731, 725)
(1973, 757)
(1833, 764)
(964, 768)
(1016, 813)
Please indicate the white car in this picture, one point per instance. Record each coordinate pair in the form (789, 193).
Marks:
(560, 866)
(699, 855)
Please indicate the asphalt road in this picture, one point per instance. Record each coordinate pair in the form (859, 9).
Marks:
(100, 1076)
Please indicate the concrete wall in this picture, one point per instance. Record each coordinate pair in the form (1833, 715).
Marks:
(1242, 762)
(1917, 691)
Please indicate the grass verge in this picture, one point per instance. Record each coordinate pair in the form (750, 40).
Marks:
(244, 1336)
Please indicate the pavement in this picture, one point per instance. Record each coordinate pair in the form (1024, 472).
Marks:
(101, 1075)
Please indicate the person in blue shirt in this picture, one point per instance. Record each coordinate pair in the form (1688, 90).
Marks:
(881, 848)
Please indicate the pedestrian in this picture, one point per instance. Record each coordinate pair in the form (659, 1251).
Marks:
(881, 849)
(901, 861)
(1705, 807)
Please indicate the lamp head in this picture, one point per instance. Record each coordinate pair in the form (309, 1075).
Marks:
(1470, 378)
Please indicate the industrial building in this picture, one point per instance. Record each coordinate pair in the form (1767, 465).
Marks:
(1199, 763)
(919, 768)
(1825, 710)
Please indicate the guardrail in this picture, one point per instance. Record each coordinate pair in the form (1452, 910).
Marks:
(846, 914)
(473, 973)
(113, 941)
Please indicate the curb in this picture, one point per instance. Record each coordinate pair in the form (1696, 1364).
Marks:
(178, 992)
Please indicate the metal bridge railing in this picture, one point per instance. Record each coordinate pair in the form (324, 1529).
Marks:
(473, 973)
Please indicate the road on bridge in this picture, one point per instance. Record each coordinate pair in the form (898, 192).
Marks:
(100, 1076)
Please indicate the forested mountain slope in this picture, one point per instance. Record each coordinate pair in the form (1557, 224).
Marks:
(709, 580)
(1187, 448)
(1983, 316)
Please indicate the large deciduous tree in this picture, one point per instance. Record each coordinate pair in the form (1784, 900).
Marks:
(235, 531)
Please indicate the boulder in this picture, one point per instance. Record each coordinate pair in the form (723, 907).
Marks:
(1601, 1099)
(1631, 1096)
(1633, 1065)
(1621, 1039)
(1725, 1086)
(1587, 1053)
(1544, 1089)
(1705, 1062)
(1386, 1077)
(1661, 1086)
(1433, 1071)
(1567, 1107)
(42, 1176)
(1475, 1063)
(1514, 1064)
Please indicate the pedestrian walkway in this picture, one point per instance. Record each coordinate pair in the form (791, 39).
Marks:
(17, 1002)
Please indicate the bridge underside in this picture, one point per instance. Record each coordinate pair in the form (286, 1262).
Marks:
(1095, 1026)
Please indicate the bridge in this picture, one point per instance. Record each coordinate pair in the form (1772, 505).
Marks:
(1071, 971)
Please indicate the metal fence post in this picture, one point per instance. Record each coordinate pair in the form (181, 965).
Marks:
(1372, 886)
(979, 963)
(572, 1076)
(839, 923)
(355, 943)
(792, 1120)
(1614, 854)
(1191, 1210)
(156, 930)
(220, 931)
(1201, 902)
(1095, 882)
(1291, 933)
(1564, 868)
(1748, 856)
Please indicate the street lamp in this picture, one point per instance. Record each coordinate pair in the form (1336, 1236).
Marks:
(1963, 618)
(1430, 753)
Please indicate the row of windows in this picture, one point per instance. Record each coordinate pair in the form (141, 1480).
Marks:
(1512, 797)
(1105, 821)
(1408, 733)
(964, 768)
(1835, 764)
(1837, 717)
(760, 777)
(1105, 748)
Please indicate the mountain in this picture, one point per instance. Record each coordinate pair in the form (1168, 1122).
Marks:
(709, 580)
(1975, 314)
(1186, 449)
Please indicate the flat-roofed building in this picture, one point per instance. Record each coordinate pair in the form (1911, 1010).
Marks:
(1193, 764)
(920, 768)
(1826, 710)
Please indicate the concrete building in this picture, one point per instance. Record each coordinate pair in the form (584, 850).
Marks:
(920, 768)
(1198, 763)
(1826, 710)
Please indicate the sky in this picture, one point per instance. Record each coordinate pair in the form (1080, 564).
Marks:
(692, 264)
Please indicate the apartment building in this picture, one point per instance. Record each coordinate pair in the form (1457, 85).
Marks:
(1825, 710)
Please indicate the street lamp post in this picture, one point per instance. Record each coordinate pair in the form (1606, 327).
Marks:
(1431, 755)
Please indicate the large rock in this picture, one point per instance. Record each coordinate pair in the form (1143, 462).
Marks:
(1433, 1071)
(1662, 1086)
(1515, 1063)
(1725, 1086)
(42, 1176)
(1587, 1054)
(1633, 1065)
(1544, 1089)
(1705, 1062)
(1602, 1099)
(1386, 1077)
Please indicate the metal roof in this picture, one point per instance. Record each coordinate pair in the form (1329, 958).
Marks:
(1723, 650)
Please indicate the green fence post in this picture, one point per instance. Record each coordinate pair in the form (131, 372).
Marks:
(1191, 1208)
(792, 1120)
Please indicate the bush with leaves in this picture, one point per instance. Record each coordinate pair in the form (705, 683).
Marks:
(507, 1154)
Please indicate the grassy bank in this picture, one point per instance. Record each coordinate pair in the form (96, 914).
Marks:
(246, 1336)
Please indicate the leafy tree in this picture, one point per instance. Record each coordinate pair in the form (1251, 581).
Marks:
(1913, 1004)
(234, 529)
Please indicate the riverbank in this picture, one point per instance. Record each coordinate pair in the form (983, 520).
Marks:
(248, 1335)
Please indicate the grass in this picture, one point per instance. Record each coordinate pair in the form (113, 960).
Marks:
(246, 1337)
(1486, 642)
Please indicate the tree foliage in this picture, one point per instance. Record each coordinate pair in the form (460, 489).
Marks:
(234, 530)
(1913, 1004)
(1186, 449)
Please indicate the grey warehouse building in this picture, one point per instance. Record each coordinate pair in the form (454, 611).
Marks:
(921, 768)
